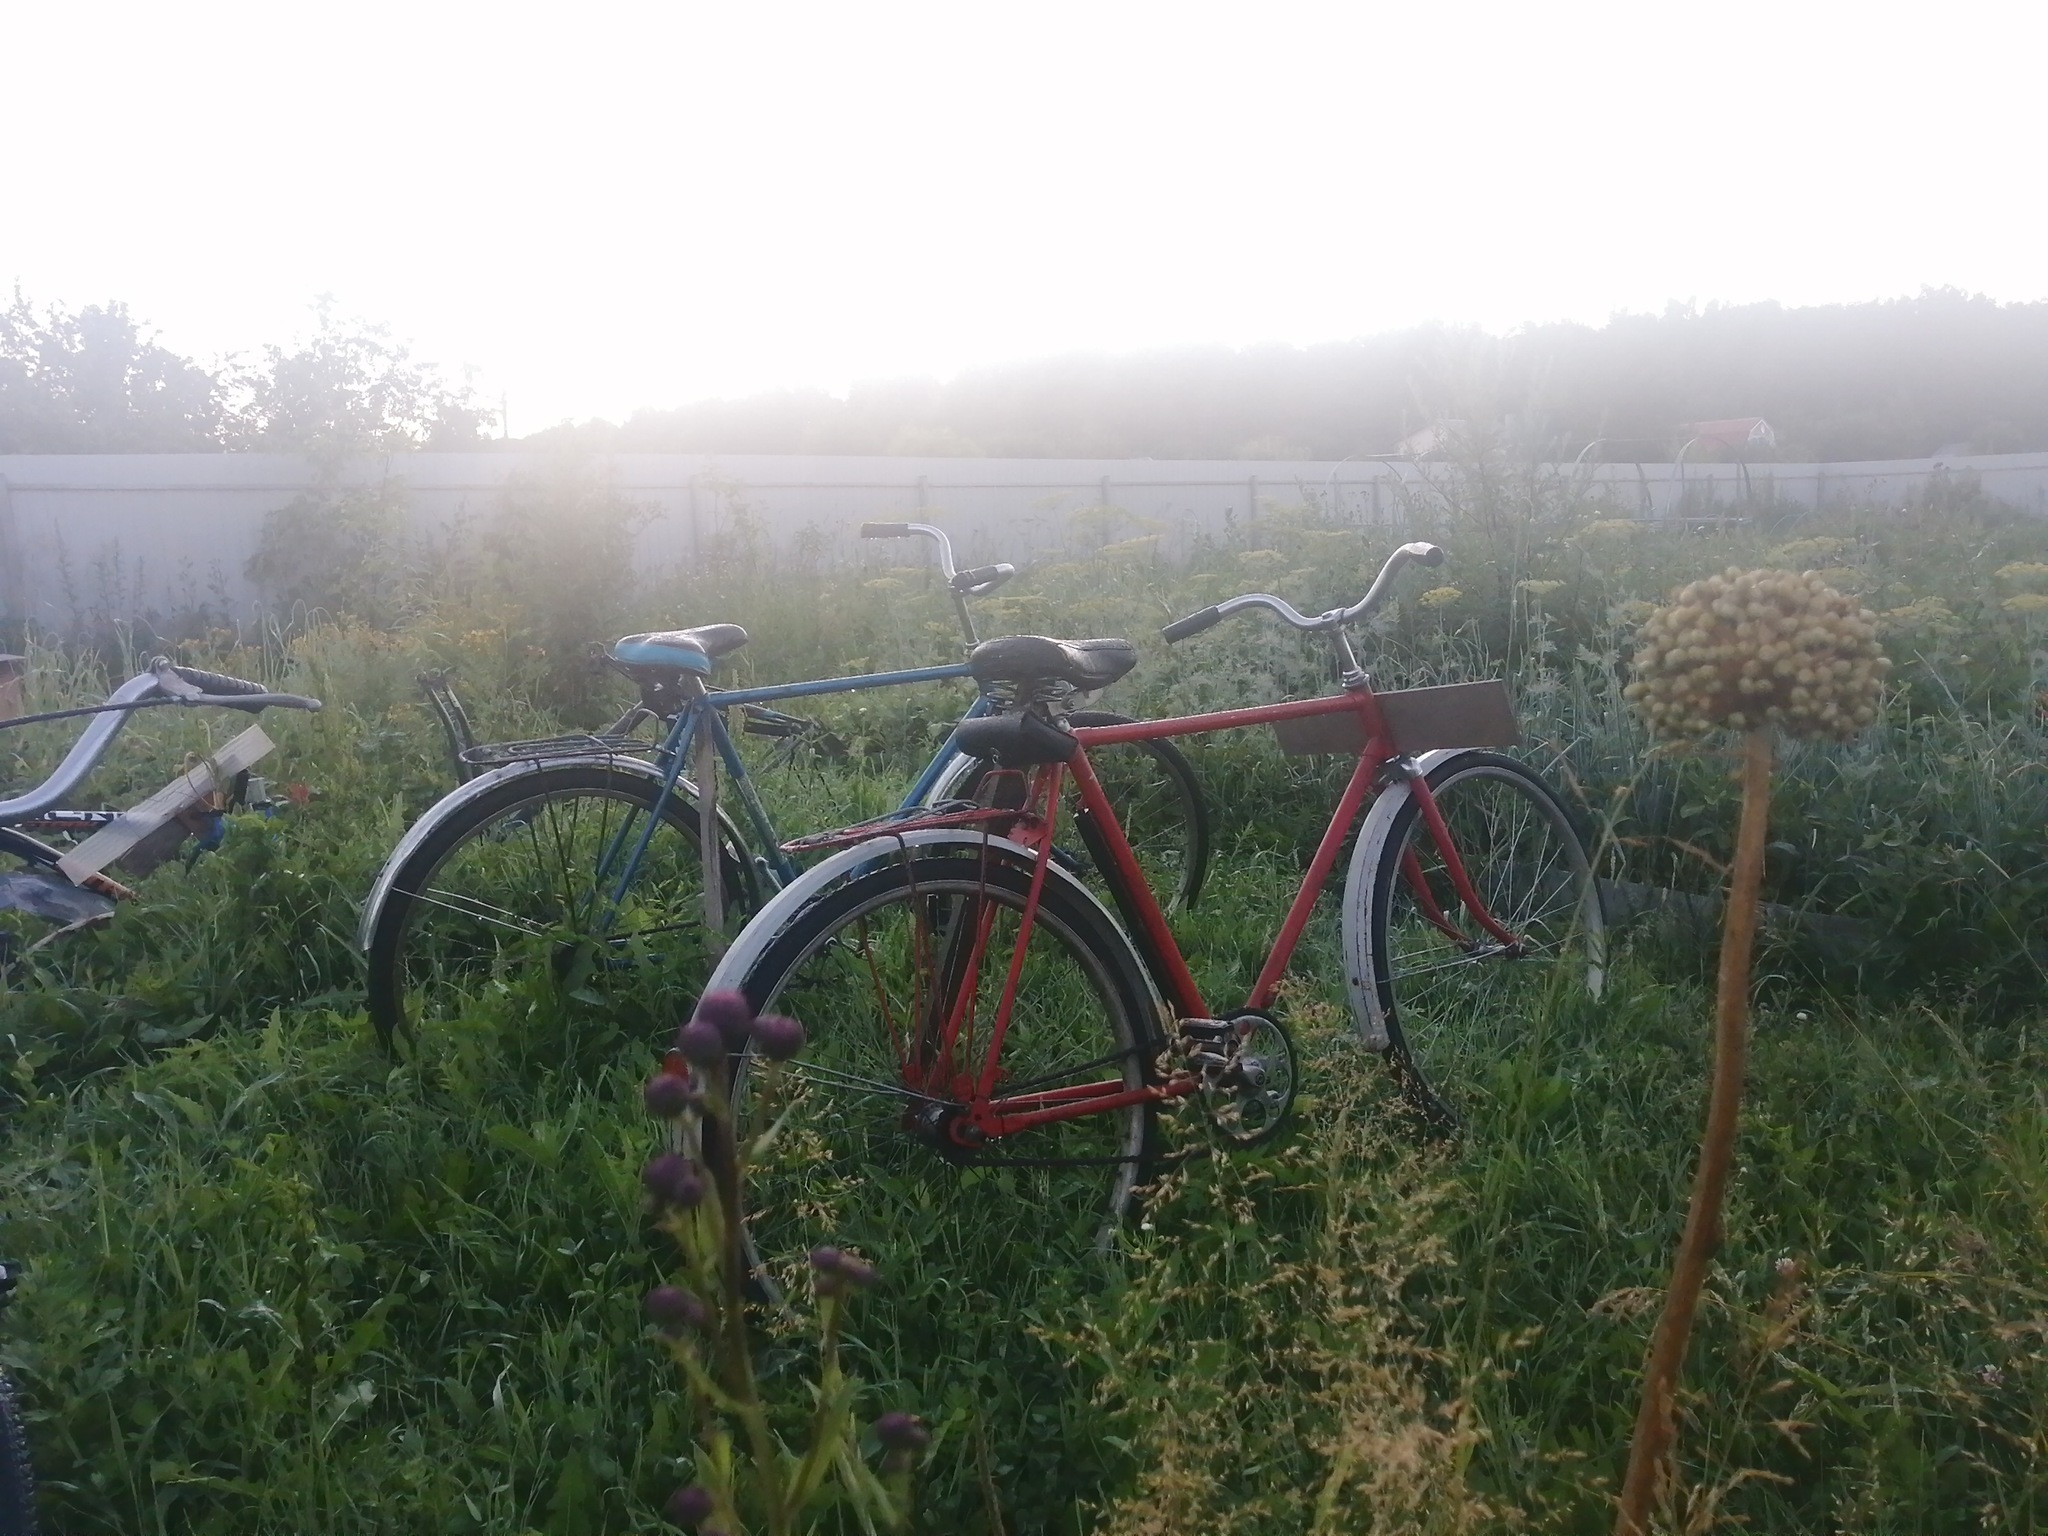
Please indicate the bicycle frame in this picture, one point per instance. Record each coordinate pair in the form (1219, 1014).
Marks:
(1379, 766)
(705, 711)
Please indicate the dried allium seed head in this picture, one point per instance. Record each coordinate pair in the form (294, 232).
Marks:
(1751, 648)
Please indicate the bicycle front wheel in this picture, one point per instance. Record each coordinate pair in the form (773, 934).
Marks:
(1456, 1001)
(872, 1152)
(522, 896)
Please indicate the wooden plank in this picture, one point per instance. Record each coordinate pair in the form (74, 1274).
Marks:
(1457, 715)
(188, 790)
(1419, 719)
(1310, 735)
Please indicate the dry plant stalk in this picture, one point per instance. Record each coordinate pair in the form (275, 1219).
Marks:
(1749, 651)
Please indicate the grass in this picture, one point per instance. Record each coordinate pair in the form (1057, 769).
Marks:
(279, 1282)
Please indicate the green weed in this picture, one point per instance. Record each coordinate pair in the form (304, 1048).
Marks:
(278, 1282)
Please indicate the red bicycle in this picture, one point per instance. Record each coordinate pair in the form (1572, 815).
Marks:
(978, 1018)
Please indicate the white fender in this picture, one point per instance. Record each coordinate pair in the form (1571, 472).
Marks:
(1365, 862)
(947, 785)
(772, 920)
(483, 784)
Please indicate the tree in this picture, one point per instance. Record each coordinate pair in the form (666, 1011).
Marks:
(350, 389)
(92, 381)
(346, 391)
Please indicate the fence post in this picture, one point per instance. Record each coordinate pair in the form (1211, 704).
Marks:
(13, 573)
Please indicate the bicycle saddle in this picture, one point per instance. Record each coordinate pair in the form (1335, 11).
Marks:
(685, 650)
(1087, 664)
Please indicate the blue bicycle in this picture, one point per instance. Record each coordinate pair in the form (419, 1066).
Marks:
(572, 870)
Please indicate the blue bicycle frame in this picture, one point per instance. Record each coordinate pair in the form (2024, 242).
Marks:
(707, 712)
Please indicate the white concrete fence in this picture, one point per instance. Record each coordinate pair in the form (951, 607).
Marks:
(153, 535)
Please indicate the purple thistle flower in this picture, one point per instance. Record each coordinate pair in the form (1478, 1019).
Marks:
(668, 1096)
(857, 1271)
(778, 1038)
(690, 1504)
(834, 1269)
(730, 1014)
(673, 1180)
(700, 1041)
(675, 1308)
(900, 1431)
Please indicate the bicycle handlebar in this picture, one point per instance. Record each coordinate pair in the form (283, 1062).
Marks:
(163, 685)
(1417, 553)
(979, 582)
(196, 686)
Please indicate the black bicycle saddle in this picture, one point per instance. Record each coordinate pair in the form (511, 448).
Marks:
(1086, 664)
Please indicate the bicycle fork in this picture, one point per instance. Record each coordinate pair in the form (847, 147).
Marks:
(1461, 881)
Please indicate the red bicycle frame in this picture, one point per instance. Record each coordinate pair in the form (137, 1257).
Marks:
(989, 1114)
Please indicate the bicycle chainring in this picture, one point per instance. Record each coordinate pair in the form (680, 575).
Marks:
(1247, 1072)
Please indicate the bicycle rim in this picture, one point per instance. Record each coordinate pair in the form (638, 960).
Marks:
(863, 1159)
(1461, 1011)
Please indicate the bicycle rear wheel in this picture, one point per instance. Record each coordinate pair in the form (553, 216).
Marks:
(515, 897)
(1458, 1004)
(866, 1157)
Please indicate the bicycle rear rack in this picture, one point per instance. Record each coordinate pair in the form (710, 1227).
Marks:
(915, 818)
(548, 749)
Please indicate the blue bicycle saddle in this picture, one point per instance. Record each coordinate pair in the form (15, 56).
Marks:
(684, 650)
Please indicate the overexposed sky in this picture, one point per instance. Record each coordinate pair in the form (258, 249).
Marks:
(604, 206)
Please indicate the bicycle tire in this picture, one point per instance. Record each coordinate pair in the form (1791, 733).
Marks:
(1446, 1013)
(430, 955)
(1166, 820)
(17, 1471)
(863, 1163)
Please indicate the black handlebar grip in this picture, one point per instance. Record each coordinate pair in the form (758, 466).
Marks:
(885, 530)
(1193, 624)
(981, 575)
(217, 682)
(1434, 557)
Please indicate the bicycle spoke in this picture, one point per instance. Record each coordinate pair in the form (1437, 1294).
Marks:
(1453, 1008)
(868, 1156)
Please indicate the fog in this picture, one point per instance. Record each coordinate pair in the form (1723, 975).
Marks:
(608, 207)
